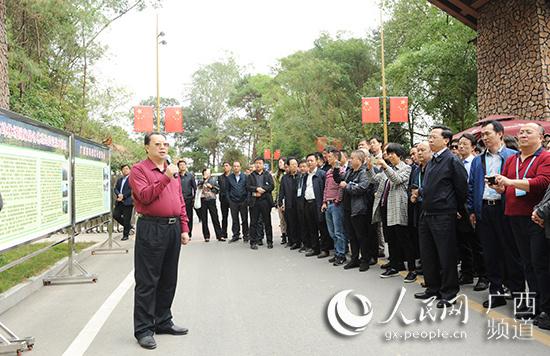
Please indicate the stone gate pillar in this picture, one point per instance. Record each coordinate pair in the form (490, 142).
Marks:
(513, 56)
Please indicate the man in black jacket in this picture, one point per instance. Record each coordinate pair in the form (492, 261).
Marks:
(224, 199)
(237, 194)
(287, 199)
(188, 189)
(260, 185)
(443, 192)
(124, 204)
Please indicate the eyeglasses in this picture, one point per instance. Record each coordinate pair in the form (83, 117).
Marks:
(454, 147)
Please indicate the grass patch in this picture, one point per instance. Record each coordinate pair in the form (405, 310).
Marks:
(35, 265)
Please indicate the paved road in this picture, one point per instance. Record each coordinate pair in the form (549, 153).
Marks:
(236, 301)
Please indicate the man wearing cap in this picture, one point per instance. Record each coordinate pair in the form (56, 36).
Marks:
(161, 230)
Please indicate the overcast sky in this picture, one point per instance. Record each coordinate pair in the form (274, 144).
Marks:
(200, 32)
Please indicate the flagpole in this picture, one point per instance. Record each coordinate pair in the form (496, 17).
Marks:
(158, 82)
(385, 118)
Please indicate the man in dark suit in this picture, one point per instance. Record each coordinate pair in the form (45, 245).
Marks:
(260, 185)
(287, 199)
(224, 199)
(124, 203)
(237, 194)
(444, 191)
(188, 189)
(313, 186)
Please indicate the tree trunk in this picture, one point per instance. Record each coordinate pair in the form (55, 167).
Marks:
(4, 89)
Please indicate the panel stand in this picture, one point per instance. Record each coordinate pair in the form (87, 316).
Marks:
(10, 344)
(67, 274)
(106, 247)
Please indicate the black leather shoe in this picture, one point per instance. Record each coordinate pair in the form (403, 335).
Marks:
(495, 302)
(295, 247)
(323, 254)
(302, 249)
(147, 342)
(312, 253)
(260, 243)
(352, 264)
(235, 239)
(465, 280)
(340, 261)
(332, 259)
(289, 245)
(245, 239)
(372, 261)
(283, 239)
(253, 246)
(425, 295)
(543, 321)
(482, 284)
(363, 266)
(124, 238)
(444, 304)
(386, 265)
(172, 330)
(269, 245)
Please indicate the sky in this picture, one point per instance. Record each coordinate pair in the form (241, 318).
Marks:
(197, 32)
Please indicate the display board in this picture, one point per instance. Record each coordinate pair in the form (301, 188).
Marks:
(92, 180)
(34, 180)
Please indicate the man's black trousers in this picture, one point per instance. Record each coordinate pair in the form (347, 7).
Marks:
(438, 251)
(224, 206)
(236, 209)
(123, 215)
(189, 203)
(156, 256)
(500, 252)
(261, 208)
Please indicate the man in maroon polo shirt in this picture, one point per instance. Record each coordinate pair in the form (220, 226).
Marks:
(524, 180)
(161, 230)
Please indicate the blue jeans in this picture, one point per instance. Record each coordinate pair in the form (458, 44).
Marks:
(335, 224)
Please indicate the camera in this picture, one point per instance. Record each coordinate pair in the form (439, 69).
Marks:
(492, 180)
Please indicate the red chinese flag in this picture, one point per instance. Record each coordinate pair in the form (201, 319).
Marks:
(267, 153)
(370, 109)
(399, 109)
(173, 119)
(143, 118)
(277, 155)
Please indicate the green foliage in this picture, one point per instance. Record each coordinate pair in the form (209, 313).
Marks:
(52, 45)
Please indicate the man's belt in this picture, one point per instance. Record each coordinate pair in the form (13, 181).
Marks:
(491, 202)
(310, 201)
(160, 220)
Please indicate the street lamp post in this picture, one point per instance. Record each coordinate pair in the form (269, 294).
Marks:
(158, 42)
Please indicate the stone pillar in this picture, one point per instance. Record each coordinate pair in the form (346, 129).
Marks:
(513, 56)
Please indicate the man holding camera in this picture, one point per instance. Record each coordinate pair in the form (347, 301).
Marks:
(486, 208)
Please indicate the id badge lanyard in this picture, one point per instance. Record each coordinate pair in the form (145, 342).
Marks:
(520, 192)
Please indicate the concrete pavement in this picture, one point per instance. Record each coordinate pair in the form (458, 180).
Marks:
(237, 301)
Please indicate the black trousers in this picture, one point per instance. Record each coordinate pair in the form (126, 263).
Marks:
(123, 215)
(209, 205)
(500, 252)
(292, 229)
(311, 225)
(189, 203)
(301, 226)
(156, 256)
(236, 209)
(470, 251)
(356, 229)
(534, 250)
(437, 236)
(224, 205)
(261, 208)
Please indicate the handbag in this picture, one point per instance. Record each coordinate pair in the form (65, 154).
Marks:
(197, 204)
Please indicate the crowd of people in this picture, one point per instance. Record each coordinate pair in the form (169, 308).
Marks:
(455, 211)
